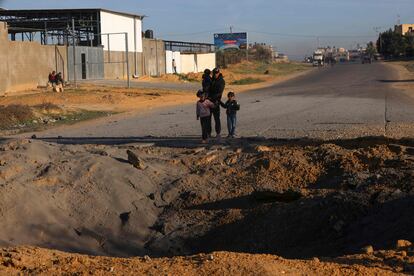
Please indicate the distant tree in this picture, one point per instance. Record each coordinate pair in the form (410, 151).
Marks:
(410, 46)
(393, 44)
(371, 49)
(262, 53)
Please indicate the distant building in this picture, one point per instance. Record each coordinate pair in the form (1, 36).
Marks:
(281, 58)
(405, 29)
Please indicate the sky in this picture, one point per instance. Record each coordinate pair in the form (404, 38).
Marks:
(294, 27)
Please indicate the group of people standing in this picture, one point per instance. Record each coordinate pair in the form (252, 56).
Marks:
(210, 103)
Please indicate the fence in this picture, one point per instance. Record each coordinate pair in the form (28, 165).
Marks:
(88, 63)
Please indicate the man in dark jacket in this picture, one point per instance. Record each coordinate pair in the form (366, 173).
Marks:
(216, 93)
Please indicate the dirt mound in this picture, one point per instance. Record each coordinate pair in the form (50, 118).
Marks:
(294, 199)
(29, 260)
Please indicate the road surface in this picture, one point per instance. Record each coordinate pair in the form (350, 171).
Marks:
(342, 102)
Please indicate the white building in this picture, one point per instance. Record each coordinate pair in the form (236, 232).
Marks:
(117, 23)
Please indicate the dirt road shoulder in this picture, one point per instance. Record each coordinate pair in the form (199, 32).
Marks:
(405, 73)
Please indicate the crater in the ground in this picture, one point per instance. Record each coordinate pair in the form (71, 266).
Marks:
(296, 199)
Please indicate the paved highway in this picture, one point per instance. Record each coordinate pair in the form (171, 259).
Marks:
(340, 102)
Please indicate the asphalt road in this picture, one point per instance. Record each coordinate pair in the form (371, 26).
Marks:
(341, 102)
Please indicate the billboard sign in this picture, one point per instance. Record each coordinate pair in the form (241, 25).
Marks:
(230, 41)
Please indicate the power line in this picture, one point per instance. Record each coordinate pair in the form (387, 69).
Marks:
(314, 36)
(195, 33)
(307, 36)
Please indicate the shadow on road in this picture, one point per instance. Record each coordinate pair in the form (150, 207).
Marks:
(192, 142)
(395, 81)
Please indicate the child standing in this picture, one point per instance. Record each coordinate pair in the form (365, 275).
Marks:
(232, 107)
(204, 107)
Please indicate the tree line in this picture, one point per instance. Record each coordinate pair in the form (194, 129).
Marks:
(256, 52)
(392, 44)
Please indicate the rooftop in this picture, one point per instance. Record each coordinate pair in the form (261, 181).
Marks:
(56, 24)
(5, 12)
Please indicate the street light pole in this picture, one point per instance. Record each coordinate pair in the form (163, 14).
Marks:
(74, 52)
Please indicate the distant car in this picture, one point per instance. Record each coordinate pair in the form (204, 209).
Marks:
(366, 60)
(378, 57)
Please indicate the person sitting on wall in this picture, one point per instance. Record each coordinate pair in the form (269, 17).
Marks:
(52, 80)
(59, 83)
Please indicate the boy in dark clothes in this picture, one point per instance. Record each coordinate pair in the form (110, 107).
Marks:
(232, 107)
(204, 107)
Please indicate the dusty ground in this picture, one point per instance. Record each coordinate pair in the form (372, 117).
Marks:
(25, 111)
(296, 199)
(405, 71)
(30, 260)
(318, 203)
(90, 97)
(40, 110)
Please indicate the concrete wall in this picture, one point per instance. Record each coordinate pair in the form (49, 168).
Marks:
(188, 63)
(195, 63)
(151, 62)
(26, 65)
(4, 53)
(206, 61)
(169, 56)
(153, 57)
(115, 23)
(115, 66)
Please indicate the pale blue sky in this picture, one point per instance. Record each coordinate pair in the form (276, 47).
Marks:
(280, 22)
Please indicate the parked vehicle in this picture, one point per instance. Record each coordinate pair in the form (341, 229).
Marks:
(366, 59)
(318, 58)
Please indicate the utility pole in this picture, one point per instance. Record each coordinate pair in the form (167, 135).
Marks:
(127, 60)
(231, 29)
(74, 52)
(247, 46)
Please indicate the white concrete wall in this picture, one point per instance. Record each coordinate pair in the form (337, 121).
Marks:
(188, 63)
(169, 56)
(206, 61)
(115, 23)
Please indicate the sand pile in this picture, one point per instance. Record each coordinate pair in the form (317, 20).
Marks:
(165, 197)
(29, 260)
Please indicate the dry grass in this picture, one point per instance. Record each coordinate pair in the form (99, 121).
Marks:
(15, 114)
(48, 108)
(247, 81)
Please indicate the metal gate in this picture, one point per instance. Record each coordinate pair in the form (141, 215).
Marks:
(89, 63)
